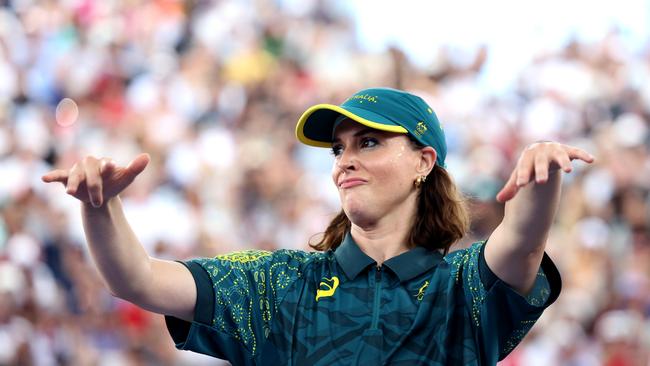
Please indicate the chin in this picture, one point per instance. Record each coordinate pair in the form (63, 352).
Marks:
(358, 213)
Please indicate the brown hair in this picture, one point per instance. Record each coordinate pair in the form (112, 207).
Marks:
(441, 218)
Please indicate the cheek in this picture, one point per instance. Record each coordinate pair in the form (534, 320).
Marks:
(397, 170)
(398, 177)
(335, 175)
(398, 156)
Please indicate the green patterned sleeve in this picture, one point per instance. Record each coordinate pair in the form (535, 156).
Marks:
(500, 315)
(237, 297)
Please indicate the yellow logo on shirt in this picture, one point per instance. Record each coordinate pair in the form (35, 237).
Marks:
(420, 294)
(325, 289)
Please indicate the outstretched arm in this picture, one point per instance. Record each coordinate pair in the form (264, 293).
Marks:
(161, 286)
(531, 195)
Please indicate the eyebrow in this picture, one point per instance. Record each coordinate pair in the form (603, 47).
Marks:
(365, 131)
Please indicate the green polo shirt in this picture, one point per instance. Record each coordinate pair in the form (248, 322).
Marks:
(339, 308)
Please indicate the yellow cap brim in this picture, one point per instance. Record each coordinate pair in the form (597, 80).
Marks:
(326, 140)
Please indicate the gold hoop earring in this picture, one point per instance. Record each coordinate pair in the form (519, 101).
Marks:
(419, 180)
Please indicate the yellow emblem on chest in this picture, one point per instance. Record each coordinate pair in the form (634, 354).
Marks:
(325, 289)
(420, 294)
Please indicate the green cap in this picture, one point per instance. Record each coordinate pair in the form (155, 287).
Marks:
(379, 108)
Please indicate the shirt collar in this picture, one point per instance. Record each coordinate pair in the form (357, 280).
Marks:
(351, 258)
(413, 263)
(406, 266)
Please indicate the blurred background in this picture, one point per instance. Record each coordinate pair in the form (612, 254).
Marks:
(212, 91)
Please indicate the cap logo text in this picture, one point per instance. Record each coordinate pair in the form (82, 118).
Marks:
(361, 97)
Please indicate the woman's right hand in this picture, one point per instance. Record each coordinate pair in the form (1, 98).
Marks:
(95, 181)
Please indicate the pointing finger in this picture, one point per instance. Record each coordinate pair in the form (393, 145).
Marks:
(59, 175)
(524, 169)
(541, 168)
(576, 153)
(94, 184)
(138, 164)
(564, 162)
(75, 178)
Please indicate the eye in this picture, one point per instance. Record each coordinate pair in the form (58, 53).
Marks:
(337, 149)
(369, 142)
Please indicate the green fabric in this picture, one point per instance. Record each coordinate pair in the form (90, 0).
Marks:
(339, 308)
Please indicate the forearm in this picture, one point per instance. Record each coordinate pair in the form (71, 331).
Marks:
(529, 215)
(514, 251)
(120, 258)
(165, 287)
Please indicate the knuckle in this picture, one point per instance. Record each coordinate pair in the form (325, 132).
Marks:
(104, 162)
(89, 159)
(522, 158)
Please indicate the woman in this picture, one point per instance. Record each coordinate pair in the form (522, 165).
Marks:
(383, 288)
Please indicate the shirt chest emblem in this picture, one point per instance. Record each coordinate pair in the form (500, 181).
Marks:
(327, 287)
(420, 294)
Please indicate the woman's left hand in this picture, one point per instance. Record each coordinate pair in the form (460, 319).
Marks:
(537, 161)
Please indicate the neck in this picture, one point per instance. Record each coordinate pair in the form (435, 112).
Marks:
(383, 240)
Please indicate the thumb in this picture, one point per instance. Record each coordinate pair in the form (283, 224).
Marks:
(509, 190)
(506, 193)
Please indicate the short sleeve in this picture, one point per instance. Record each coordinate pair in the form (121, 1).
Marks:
(500, 315)
(237, 297)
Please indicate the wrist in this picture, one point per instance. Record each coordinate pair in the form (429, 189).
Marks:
(102, 209)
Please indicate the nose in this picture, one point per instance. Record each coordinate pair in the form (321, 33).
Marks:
(347, 160)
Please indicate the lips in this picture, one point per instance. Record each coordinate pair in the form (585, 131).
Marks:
(351, 182)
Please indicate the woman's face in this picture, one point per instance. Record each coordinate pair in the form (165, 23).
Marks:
(374, 172)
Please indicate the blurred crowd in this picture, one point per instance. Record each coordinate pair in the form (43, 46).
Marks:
(212, 91)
